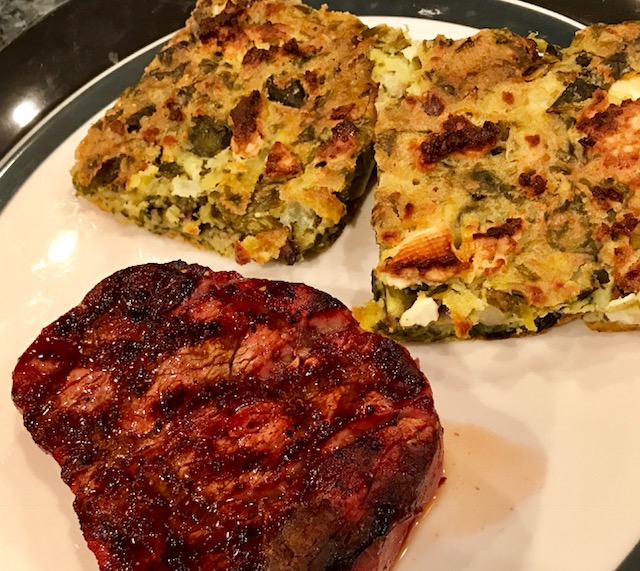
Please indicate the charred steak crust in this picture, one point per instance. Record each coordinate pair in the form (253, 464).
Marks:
(208, 421)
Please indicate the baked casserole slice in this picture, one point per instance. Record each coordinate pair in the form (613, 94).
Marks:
(249, 134)
(508, 175)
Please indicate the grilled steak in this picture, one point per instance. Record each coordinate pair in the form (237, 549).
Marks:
(208, 421)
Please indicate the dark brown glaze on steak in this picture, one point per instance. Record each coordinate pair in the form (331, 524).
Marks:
(206, 421)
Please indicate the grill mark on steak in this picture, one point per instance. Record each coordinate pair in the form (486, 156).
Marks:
(207, 421)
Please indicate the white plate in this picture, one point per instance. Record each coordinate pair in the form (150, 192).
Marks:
(542, 433)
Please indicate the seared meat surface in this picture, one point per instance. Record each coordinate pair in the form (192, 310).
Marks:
(206, 421)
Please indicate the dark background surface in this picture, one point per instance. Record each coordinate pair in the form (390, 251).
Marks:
(592, 11)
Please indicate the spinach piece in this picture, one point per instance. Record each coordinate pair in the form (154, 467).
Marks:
(618, 63)
(133, 121)
(208, 136)
(291, 95)
(575, 92)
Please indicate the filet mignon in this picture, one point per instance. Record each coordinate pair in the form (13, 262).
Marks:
(205, 421)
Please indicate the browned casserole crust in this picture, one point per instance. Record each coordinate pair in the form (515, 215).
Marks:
(250, 133)
(507, 199)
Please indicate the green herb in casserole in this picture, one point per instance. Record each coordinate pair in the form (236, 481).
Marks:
(249, 134)
(508, 177)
